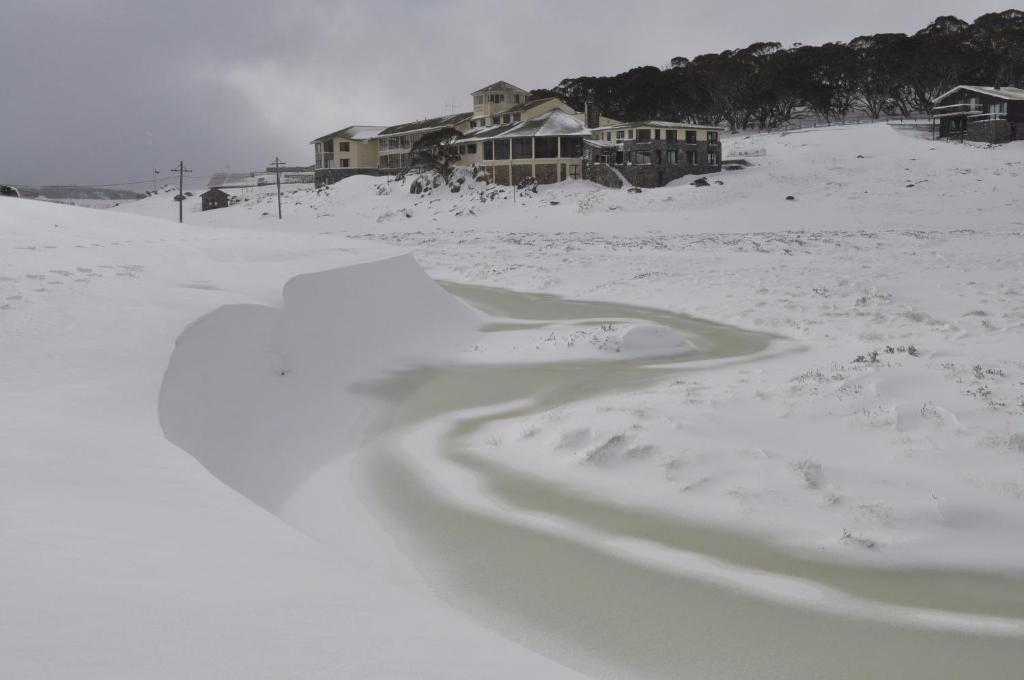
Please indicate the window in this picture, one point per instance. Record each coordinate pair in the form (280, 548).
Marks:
(712, 158)
(641, 157)
(343, 163)
(998, 108)
(343, 146)
(478, 100)
(501, 149)
(472, 123)
(631, 134)
(471, 149)
(691, 158)
(607, 136)
(518, 99)
(712, 136)
(691, 136)
(643, 135)
(517, 117)
(657, 156)
(506, 118)
(495, 120)
(671, 136)
(571, 147)
(545, 147)
(657, 134)
(522, 147)
(620, 134)
(672, 157)
(497, 98)
(488, 151)
(318, 148)
(329, 146)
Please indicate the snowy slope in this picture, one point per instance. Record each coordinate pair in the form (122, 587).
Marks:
(892, 436)
(892, 242)
(121, 556)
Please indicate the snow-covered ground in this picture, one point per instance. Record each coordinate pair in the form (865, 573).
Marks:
(889, 431)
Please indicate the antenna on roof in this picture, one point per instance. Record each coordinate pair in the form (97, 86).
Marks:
(451, 107)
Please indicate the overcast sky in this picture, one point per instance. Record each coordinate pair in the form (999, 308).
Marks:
(97, 91)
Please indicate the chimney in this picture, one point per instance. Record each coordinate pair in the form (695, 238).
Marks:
(592, 114)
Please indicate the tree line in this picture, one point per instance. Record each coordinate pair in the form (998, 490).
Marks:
(765, 85)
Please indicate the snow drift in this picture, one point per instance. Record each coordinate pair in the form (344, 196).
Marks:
(262, 397)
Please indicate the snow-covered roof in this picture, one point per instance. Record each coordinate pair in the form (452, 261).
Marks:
(427, 124)
(1010, 93)
(499, 85)
(357, 133)
(553, 123)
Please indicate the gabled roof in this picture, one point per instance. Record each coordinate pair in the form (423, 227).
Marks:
(553, 123)
(1009, 93)
(357, 133)
(426, 124)
(500, 85)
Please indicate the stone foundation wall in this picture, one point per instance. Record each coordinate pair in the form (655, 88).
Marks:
(993, 132)
(546, 173)
(656, 174)
(602, 174)
(521, 172)
(331, 175)
(500, 174)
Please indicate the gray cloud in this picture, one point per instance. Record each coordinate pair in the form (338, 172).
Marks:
(99, 91)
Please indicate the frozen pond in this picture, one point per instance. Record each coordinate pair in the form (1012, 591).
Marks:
(626, 592)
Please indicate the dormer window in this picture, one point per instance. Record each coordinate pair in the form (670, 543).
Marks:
(517, 117)
(495, 120)
(506, 119)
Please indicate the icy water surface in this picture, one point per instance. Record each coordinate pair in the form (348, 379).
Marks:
(611, 616)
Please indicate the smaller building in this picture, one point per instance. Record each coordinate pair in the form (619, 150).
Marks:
(980, 113)
(651, 153)
(214, 198)
(349, 151)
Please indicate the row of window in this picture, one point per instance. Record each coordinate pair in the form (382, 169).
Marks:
(395, 160)
(644, 135)
(326, 160)
(653, 157)
(533, 147)
(496, 98)
(328, 146)
(497, 119)
(393, 143)
(467, 149)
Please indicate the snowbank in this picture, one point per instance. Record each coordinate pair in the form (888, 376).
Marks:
(121, 556)
(263, 397)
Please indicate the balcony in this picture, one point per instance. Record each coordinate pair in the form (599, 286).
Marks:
(950, 110)
(324, 160)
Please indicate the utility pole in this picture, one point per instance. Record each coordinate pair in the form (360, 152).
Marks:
(181, 170)
(277, 171)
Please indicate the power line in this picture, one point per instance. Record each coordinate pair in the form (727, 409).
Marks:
(94, 186)
(277, 171)
(180, 198)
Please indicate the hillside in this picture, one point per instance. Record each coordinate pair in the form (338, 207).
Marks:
(190, 404)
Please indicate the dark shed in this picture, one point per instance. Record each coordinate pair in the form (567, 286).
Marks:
(981, 113)
(214, 198)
